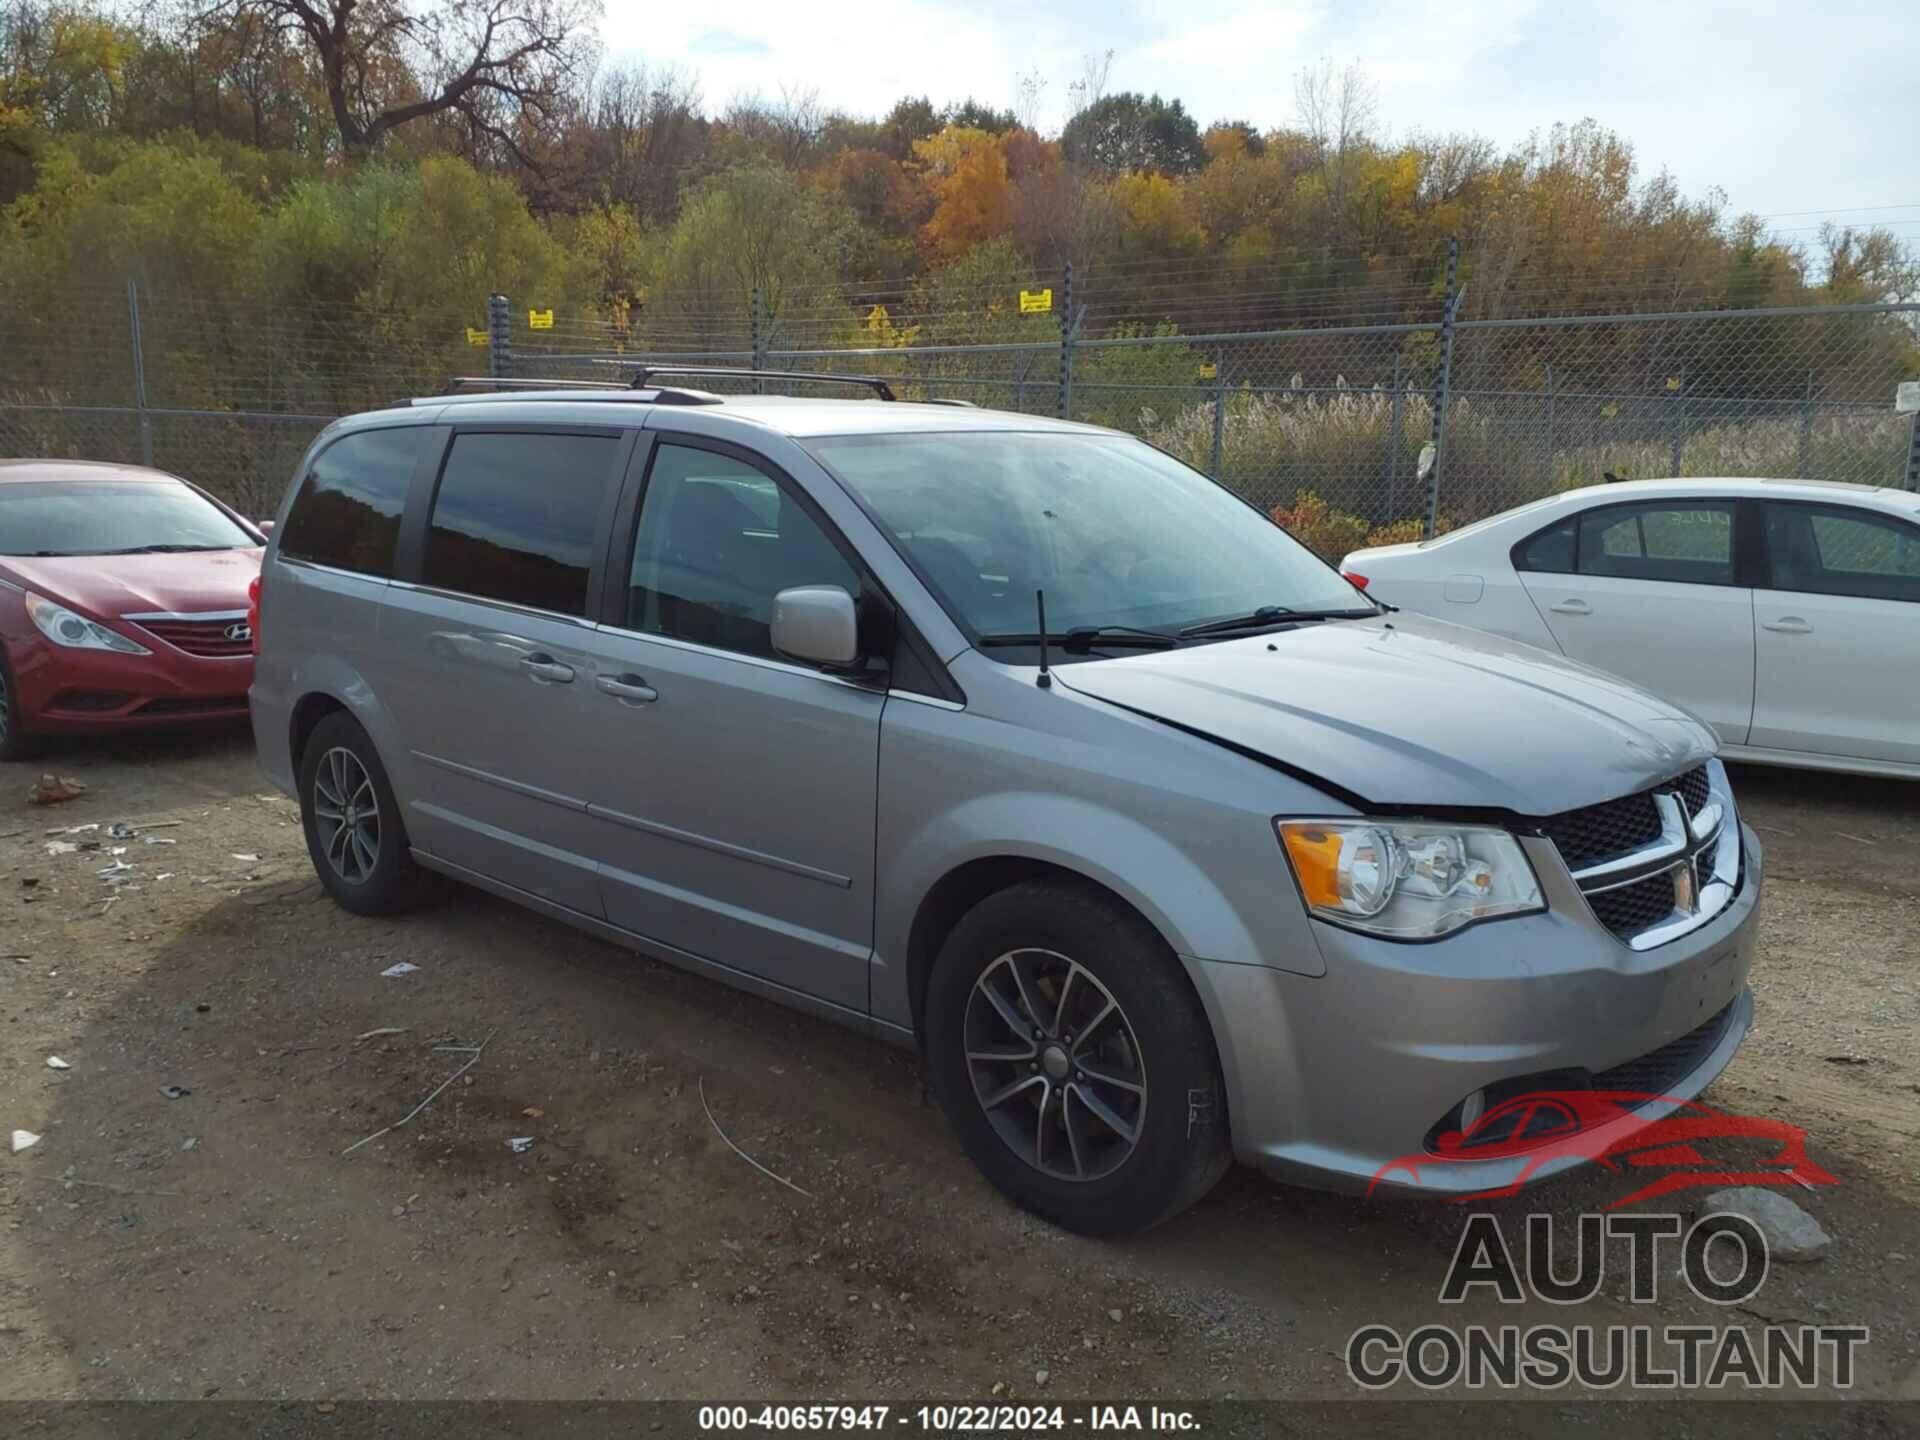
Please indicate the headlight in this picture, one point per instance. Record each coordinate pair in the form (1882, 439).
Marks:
(76, 632)
(1408, 881)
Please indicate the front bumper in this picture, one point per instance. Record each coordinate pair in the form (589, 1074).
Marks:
(65, 691)
(1331, 1080)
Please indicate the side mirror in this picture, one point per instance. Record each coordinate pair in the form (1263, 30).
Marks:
(265, 527)
(817, 624)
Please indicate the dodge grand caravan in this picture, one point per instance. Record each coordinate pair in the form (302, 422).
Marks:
(1014, 740)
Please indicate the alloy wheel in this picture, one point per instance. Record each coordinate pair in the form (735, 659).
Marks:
(1055, 1065)
(346, 811)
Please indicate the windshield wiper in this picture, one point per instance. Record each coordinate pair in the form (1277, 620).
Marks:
(164, 549)
(1269, 615)
(1082, 638)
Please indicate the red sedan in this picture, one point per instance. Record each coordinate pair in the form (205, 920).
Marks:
(123, 601)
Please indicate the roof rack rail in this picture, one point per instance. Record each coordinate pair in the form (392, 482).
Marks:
(482, 387)
(472, 384)
(963, 404)
(643, 376)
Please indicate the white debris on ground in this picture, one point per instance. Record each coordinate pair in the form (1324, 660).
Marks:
(1790, 1232)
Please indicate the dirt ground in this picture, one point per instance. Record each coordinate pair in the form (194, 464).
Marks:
(221, 1243)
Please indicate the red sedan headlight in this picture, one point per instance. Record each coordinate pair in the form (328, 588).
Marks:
(76, 632)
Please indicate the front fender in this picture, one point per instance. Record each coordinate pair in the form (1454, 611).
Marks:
(1170, 887)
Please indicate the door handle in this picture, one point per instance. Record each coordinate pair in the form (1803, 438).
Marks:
(543, 669)
(1788, 625)
(628, 689)
(1571, 607)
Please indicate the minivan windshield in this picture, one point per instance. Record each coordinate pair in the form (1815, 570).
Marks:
(112, 517)
(1119, 536)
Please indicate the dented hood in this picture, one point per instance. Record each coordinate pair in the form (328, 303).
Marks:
(1404, 711)
(109, 586)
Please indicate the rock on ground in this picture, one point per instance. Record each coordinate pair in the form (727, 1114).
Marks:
(1791, 1233)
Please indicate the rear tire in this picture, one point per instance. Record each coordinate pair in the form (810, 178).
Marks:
(355, 835)
(1074, 1060)
(15, 742)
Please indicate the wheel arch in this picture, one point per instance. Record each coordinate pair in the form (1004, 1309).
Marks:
(975, 880)
(308, 712)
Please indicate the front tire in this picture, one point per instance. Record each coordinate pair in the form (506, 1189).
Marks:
(355, 835)
(15, 742)
(1074, 1061)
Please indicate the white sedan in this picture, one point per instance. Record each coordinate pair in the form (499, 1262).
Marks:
(1784, 613)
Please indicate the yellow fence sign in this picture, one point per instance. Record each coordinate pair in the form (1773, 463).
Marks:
(540, 319)
(1036, 302)
(1209, 370)
(476, 337)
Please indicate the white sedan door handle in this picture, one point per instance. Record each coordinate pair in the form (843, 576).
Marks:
(1788, 625)
(1571, 607)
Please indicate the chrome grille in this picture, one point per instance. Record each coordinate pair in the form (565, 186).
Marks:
(206, 638)
(1600, 832)
(1693, 788)
(1655, 865)
(1632, 908)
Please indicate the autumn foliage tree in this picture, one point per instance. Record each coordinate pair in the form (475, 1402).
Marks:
(967, 172)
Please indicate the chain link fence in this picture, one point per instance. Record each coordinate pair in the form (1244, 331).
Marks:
(1323, 426)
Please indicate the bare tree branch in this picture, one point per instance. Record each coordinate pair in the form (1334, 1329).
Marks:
(388, 63)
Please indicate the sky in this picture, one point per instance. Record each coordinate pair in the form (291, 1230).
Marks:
(1799, 113)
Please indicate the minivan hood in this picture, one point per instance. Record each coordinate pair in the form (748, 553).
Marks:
(1406, 712)
(108, 586)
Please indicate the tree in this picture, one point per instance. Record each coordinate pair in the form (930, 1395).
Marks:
(495, 64)
(1130, 131)
(970, 114)
(1226, 139)
(746, 229)
(1336, 109)
(910, 121)
(968, 171)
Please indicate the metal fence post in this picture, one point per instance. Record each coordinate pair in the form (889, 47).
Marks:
(1806, 428)
(1680, 426)
(1443, 388)
(757, 336)
(1390, 456)
(1549, 419)
(1064, 405)
(1219, 416)
(139, 373)
(499, 337)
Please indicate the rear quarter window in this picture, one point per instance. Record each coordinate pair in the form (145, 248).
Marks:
(348, 508)
(516, 515)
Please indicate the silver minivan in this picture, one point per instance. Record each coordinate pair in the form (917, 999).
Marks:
(1019, 742)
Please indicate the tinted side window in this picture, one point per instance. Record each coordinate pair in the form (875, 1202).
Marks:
(1831, 551)
(1551, 551)
(347, 511)
(718, 540)
(1680, 540)
(515, 516)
